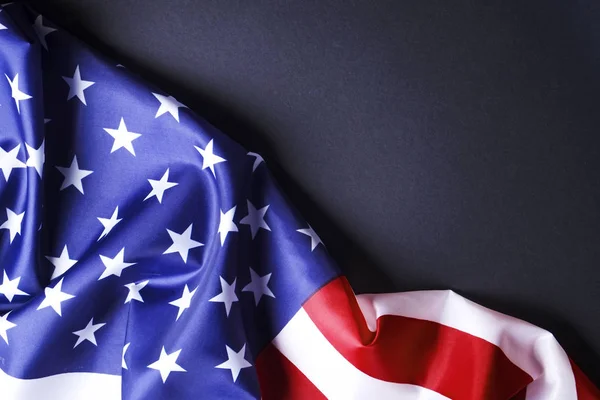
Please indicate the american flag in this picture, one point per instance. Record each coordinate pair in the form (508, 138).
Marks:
(145, 255)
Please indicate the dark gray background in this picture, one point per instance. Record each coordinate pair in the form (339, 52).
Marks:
(432, 145)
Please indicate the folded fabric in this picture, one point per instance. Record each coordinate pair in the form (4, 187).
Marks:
(145, 255)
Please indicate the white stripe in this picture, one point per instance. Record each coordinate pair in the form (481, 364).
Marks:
(306, 347)
(71, 386)
(532, 349)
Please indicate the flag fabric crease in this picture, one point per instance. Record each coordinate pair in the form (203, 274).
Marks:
(145, 255)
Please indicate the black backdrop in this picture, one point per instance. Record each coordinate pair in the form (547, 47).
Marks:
(431, 145)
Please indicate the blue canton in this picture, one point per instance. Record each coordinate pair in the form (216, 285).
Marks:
(135, 239)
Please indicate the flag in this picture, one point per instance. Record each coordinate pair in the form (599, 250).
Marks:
(145, 255)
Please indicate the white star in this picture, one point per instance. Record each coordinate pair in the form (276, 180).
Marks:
(77, 86)
(209, 159)
(257, 161)
(258, 286)
(114, 266)
(134, 291)
(109, 223)
(159, 187)
(227, 295)
(17, 94)
(73, 175)
(13, 223)
(11, 288)
(61, 264)
(123, 138)
(9, 160)
(88, 333)
(2, 26)
(255, 218)
(5, 325)
(182, 243)
(168, 104)
(226, 224)
(37, 157)
(314, 238)
(42, 31)
(184, 301)
(235, 361)
(123, 363)
(166, 364)
(55, 296)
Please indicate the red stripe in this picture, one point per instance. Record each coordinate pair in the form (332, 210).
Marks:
(406, 350)
(585, 388)
(521, 395)
(280, 379)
